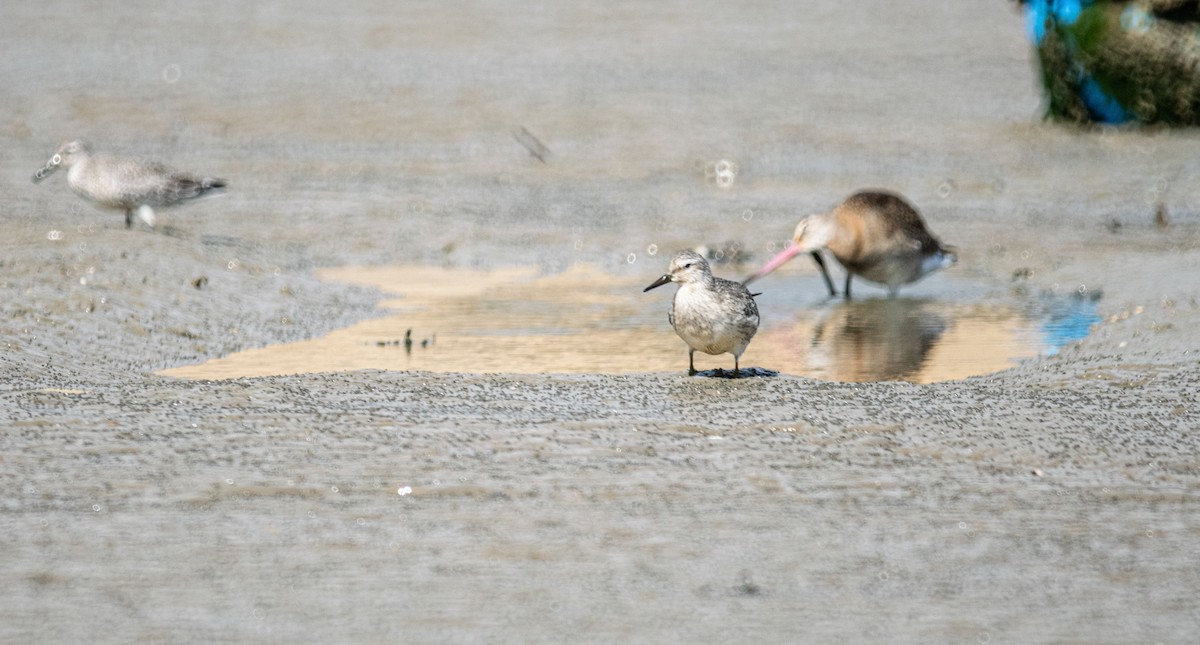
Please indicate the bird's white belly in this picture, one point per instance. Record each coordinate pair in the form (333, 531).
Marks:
(709, 341)
(703, 331)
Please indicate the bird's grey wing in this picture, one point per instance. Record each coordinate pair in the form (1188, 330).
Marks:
(734, 295)
(179, 187)
(156, 183)
(751, 309)
(132, 181)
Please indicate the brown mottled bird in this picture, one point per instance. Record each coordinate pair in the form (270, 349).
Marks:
(124, 183)
(873, 234)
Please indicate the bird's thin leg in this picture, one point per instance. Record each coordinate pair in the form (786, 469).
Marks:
(846, 291)
(691, 363)
(736, 370)
(816, 255)
(128, 218)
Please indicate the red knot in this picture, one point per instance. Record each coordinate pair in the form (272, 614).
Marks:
(710, 314)
(125, 183)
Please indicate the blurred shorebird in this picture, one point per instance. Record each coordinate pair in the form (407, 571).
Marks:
(124, 183)
(710, 314)
(875, 235)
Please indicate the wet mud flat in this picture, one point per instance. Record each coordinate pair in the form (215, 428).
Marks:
(1056, 500)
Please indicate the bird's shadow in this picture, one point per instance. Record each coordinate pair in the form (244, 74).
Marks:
(174, 231)
(745, 372)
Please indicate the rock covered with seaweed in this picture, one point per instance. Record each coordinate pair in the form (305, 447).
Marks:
(1105, 61)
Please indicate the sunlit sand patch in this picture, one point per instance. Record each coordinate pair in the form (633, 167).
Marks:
(471, 321)
(586, 321)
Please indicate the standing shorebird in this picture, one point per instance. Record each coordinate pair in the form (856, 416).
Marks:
(875, 235)
(710, 314)
(123, 183)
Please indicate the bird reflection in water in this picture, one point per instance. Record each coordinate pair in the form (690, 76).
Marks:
(881, 339)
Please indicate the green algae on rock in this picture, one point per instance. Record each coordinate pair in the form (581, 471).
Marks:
(1118, 62)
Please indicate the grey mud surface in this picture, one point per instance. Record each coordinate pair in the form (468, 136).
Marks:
(1055, 501)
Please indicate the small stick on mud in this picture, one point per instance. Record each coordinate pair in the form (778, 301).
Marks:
(531, 143)
(1160, 216)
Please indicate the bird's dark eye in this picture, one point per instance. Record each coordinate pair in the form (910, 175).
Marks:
(686, 266)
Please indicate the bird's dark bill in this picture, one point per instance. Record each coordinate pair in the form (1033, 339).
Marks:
(45, 170)
(658, 283)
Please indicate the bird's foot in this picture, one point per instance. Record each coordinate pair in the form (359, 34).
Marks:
(146, 214)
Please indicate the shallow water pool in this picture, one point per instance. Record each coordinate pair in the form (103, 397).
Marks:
(584, 320)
